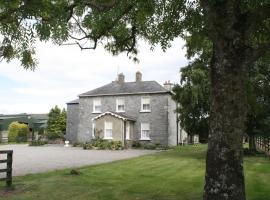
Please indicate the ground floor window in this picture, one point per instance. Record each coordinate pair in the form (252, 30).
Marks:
(108, 130)
(145, 131)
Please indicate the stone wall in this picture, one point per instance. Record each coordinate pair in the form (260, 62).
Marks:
(158, 117)
(72, 122)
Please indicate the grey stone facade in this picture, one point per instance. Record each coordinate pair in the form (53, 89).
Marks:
(72, 122)
(162, 117)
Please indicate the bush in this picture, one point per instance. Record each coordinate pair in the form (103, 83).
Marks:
(17, 132)
(136, 144)
(77, 144)
(99, 143)
(115, 145)
(23, 133)
(55, 135)
(87, 146)
(150, 146)
(37, 143)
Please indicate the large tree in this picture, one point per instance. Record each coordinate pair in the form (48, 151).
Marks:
(236, 30)
(192, 96)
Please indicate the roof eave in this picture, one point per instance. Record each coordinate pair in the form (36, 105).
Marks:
(121, 94)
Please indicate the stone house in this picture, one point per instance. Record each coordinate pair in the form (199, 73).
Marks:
(125, 111)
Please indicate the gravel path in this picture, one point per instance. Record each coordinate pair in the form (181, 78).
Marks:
(30, 160)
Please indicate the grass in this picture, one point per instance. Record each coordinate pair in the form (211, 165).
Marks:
(170, 175)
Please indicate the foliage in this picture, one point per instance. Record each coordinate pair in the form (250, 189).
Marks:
(193, 98)
(136, 144)
(150, 146)
(38, 143)
(258, 90)
(56, 123)
(100, 143)
(18, 132)
(77, 144)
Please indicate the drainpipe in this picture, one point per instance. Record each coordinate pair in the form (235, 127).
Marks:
(125, 124)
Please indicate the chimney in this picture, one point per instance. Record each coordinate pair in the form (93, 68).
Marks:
(121, 78)
(168, 86)
(138, 76)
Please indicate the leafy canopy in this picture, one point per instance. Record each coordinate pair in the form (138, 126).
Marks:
(118, 25)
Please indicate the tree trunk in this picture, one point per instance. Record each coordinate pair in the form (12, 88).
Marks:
(224, 179)
(251, 143)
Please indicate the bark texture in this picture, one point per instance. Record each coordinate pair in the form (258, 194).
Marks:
(224, 179)
(224, 171)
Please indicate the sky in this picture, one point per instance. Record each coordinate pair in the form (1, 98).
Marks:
(64, 72)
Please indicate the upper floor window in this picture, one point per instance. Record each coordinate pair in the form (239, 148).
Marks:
(120, 105)
(145, 131)
(108, 130)
(145, 104)
(97, 106)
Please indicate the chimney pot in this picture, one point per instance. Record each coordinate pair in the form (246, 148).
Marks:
(138, 76)
(168, 86)
(121, 78)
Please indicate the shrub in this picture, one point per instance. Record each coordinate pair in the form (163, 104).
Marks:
(77, 144)
(55, 135)
(87, 146)
(150, 146)
(115, 145)
(23, 133)
(99, 143)
(136, 144)
(17, 132)
(37, 143)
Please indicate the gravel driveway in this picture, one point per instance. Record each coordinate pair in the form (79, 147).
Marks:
(29, 160)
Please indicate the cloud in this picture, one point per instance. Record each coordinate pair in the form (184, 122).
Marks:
(64, 72)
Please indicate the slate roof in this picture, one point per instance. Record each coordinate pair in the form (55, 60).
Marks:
(76, 101)
(115, 88)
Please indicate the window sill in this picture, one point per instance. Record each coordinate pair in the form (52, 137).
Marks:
(145, 111)
(96, 112)
(120, 111)
(145, 139)
(108, 138)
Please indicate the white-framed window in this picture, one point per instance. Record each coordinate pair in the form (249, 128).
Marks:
(145, 104)
(97, 106)
(127, 130)
(108, 130)
(120, 105)
(145, 131)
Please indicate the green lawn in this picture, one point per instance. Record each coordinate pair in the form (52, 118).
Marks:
(174, 174)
